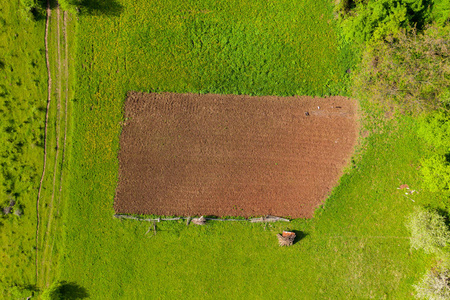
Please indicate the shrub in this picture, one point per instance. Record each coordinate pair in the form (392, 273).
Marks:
(441, 11)
(21, 292)
(435, 130)
(374, 20)
(428, 230)
(436, 173)
(411, 72)
(435, 285)
(28, 4)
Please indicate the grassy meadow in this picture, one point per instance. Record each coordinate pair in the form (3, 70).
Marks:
(357, 245)
(23, 80)
(23, 104)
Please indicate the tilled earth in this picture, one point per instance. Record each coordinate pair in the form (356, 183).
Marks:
(232, 155)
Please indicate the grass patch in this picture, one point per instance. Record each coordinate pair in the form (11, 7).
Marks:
(241, 47)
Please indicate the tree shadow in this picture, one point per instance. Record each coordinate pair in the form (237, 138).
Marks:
(299, 235)
(421, 18)
(87, 7)
(71, 291)
(100, 7)
(447, 157)
(443, 213)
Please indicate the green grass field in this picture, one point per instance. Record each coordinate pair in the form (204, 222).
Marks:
(357, 245)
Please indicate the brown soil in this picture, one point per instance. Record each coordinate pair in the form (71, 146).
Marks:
(230, 155)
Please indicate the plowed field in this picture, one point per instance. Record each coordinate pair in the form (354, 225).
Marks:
(231, 155)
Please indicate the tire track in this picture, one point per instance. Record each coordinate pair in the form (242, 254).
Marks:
(48, 236)
(66, 75)
(49, 88)
(65, 116)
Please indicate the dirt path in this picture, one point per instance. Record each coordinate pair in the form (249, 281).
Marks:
(66, 100)
(56, 208)
(49, 88)
(48, 236)
(48, 203)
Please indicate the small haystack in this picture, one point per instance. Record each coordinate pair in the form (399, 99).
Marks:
(199, 221)
(286, 239)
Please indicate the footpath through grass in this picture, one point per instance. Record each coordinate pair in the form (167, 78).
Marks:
(355, 247)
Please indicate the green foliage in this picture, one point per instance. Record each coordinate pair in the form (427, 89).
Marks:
(28, 4)
(92, 7)
(36, 8)
(22, 98)
(21, 292)
(441, 11)
(411, 72)
(428, 230)
(435, 130)
(69, 5)
(435, 285)
(436, 173)
(374, 20)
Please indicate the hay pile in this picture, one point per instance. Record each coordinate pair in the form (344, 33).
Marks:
(286, 239)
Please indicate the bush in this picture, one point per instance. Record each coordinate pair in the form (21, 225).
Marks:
(436, 173)
(21, 292)
(441, 11)
(435, 130)
(29, 4)
(428, 230)
(374, 20)
(411, 72)
(435, 285)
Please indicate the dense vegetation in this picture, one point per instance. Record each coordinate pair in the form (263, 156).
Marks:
(405, 53)
(410, 72)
